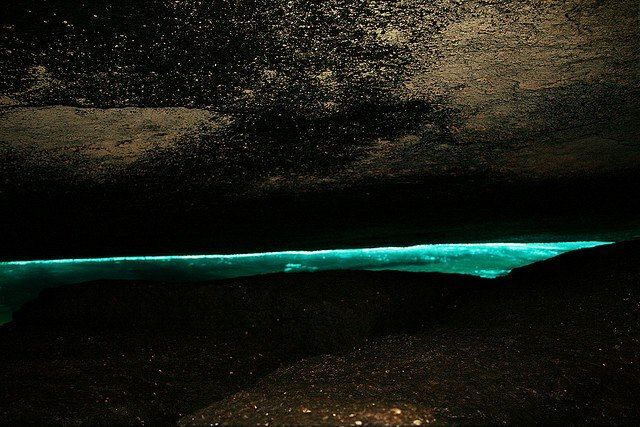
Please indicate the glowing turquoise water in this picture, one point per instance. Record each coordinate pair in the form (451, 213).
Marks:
(22, 280)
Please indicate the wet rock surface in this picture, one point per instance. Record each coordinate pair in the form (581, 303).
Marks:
(553, 342)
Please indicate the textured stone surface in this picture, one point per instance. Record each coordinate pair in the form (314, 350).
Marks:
(90, 143)
(558, 343)
(409, 97)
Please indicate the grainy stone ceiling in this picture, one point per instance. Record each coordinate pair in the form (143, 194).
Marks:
(196, 103)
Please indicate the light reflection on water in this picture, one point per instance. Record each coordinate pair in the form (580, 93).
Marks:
(22, 280)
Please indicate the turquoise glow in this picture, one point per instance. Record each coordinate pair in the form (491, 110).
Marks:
(22, 280)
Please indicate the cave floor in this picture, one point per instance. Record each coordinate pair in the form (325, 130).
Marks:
(557, 341)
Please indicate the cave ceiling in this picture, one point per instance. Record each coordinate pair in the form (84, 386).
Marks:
(245, 99)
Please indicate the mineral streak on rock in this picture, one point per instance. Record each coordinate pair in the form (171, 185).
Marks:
(92, 142)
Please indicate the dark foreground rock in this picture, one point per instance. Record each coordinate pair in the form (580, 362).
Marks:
(555, 342)
(123, 352)
(558, 341)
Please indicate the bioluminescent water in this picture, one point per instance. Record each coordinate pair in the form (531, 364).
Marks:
(22, 280)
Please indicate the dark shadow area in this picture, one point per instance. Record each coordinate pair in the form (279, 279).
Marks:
(59, 224)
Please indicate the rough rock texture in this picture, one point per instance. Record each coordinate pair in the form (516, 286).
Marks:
(94, 143)
(134, 352)
(558, 341)
(436, 104)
